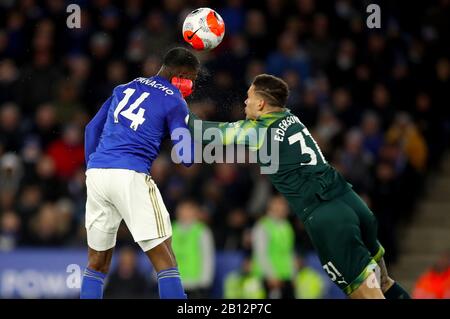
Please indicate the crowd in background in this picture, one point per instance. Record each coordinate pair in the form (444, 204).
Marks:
(375, 100)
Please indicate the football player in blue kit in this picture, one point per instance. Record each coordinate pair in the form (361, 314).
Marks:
(121, 143)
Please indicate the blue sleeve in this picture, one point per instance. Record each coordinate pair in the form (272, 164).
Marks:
(94, 130)
(179, 132)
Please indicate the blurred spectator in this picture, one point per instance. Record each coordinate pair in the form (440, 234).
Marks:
(261, 190)
(67, 103)
(308, 108)
(362, 85)
(10, 131)
(381, 103)
(29, 201)
(254, 68)
(134, 11)
(342, 68)
(66, 222)
(100, 45)
(68, 152)
(11, 172)
(256, 32)
(273, 241)
(435, 282)
(385, 205)
(76, 190)
(289, 56)
(45, 127)
(43, 228)
(116, 74)
(405, 133)
(193, 246)
(309, 284)
(7, 199)
(372, 135)
(151, 65)
(158, 36)
(10, 230)
(8, 79)
(293, 81)
(243, 284)
(320, 46)
(235, 183)
(39, 80)
(327, 131)
(50, 185)
(354, 162)
(31, 152)
(125, 281)
(343, 108)
(233, 15)
(231, 235)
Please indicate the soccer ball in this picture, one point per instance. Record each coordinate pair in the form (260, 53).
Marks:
(203, 29)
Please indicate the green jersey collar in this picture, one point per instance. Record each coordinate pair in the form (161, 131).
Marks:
(274, 115)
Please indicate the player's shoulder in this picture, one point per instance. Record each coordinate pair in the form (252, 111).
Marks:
(289, 119)
(158, 88)
(153, 85)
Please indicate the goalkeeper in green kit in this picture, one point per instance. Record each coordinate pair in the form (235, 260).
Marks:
(341, 227)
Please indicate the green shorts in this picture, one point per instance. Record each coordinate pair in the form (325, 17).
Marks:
(344, 234)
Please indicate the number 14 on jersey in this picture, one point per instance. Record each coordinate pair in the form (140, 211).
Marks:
(135, 118)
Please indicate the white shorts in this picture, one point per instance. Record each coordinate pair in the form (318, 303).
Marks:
(116, 194)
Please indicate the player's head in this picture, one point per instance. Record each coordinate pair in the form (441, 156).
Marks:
(267, 93)
(180, 66)
(277, 207)
(187, 212)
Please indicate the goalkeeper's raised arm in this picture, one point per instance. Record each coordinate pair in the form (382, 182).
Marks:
(241, 132)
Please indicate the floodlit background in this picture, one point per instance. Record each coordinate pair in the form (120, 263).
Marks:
(376, 101)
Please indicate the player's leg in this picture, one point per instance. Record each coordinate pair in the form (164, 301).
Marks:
(334, 231)
(391, 288)
(366, 290)
(161, 256)
(163, 260)
(102, 222)
(148, 220)
(369, 230)
(385, 281)
(95, 273)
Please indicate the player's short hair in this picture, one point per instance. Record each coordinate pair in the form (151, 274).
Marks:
(180, 56)
(274, 89)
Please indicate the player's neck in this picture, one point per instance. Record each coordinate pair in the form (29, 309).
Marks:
(272, 109)
(164, 74)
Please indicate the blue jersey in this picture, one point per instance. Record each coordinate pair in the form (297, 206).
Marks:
(128, 129)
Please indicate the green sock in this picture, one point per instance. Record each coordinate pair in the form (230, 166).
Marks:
(396, 292)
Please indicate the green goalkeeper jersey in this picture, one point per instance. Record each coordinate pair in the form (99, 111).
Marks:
(281, 140)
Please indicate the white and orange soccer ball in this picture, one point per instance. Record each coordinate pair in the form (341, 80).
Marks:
(203, 29)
